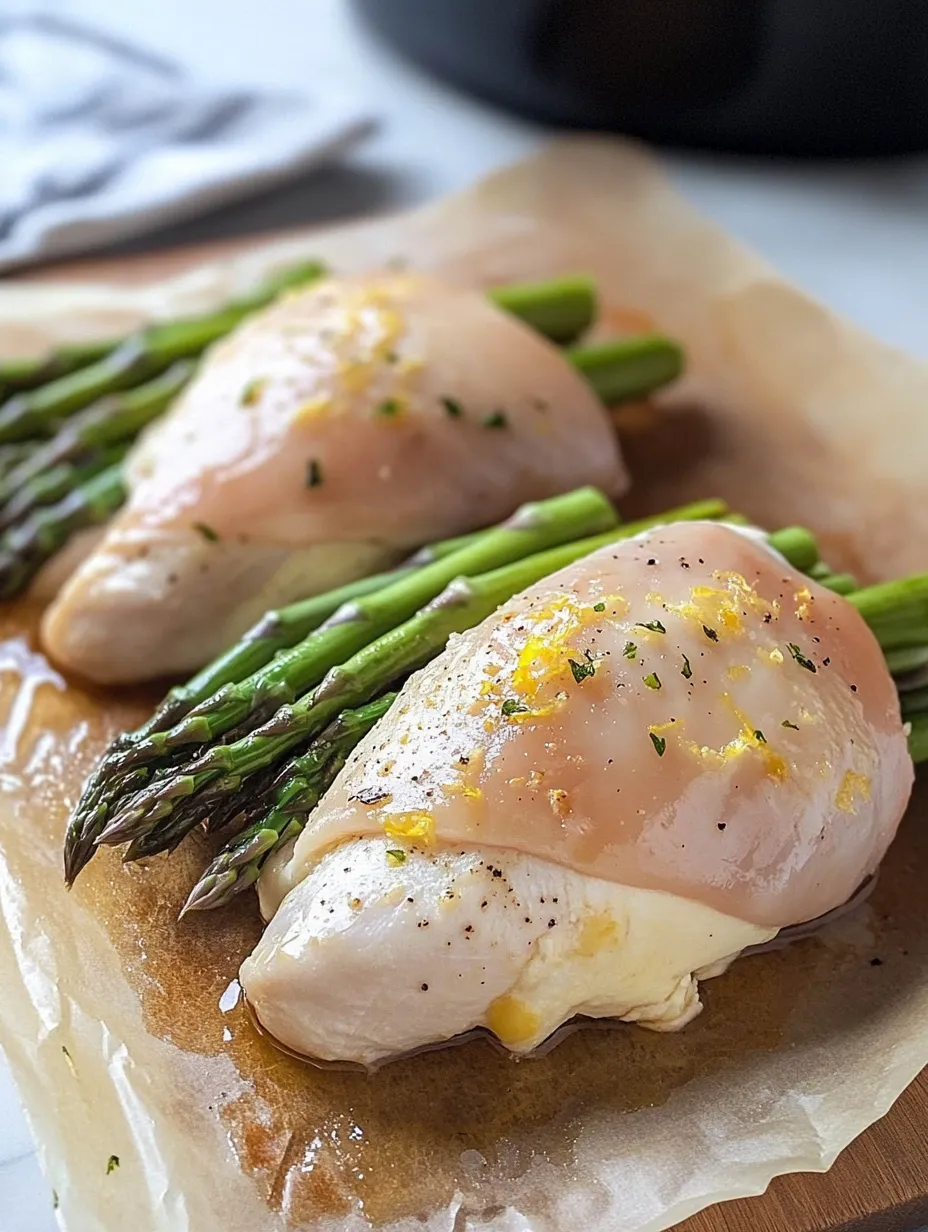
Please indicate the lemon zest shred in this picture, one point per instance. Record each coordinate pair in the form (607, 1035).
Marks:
(852, 787)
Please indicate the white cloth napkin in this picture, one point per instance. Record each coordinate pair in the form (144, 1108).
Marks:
(101, 140)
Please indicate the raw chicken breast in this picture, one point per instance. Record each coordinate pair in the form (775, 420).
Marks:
(328, 436)
(686, 741)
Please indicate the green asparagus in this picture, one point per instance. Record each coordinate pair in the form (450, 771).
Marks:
(907, 660)
(141, 356)
(112, 420)
(352, 680)
(19, 374)
(351, 626)
(561, 309)
(897, 611)
(281, 629)
(532, 528)
(307, 777)
(26, 547)
(628, 368)
(918, 738)
(54, 482)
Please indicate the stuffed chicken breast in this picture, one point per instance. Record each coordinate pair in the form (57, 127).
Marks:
(329, 435)
(633, 770)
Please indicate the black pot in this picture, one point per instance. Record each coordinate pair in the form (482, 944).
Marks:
(807, 77)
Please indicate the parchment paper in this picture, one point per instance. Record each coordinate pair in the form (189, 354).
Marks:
(115, 1019)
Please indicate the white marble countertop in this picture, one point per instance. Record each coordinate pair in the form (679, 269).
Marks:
(855, 236)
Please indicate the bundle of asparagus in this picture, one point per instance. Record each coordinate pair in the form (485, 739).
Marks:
(70, 417)
(253, 741)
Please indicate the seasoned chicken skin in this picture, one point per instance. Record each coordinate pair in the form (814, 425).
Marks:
(680, 741)
(328, 436)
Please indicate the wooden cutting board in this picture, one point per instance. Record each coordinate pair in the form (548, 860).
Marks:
(880, 1183)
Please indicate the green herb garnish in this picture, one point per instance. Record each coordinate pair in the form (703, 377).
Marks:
(395, 856)
(206, 531)
(599, 607)
(252, 391)
(710, 633)
(659, 743)
(313, 473)
(652, 680)
(389, 408)
(112, 1164)
(787, 723)
(630, 650)
(759, 735)
(686, 671)
(496, 419)
(453, 407)
(511, 707)
(654, 625)
(800, 657)
(581, 671)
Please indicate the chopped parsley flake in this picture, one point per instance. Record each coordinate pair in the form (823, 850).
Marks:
(787, 723)
(652, 680)
(599, 607)
(496, 419)
(511, 706)
(55, 1202)
(686, 671)
(112, 1164)
(452, 407)
(710, 633)
(395, 856)
(630, 650)
(800, 657)
(252, 392)
(759, 735)
(654, 625)
(313, 473)
(206, 531)
(389, 408)
(391, 357)
(659, 743)
(581, 671)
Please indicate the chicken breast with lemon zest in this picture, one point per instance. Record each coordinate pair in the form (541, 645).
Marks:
(686, 741)
(326, 438)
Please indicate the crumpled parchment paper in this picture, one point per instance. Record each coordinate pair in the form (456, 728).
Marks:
(125, 1030)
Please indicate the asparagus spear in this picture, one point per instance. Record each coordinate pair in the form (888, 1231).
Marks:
(907, 660)
(140, 356)
(348, 682)
(918, 738)
(55, 482)
(897, 611)
(561, 309)
(281, 629)
(628, 367)
(20, 374)
(112, 420)
(797, 544)
(354, 624)
(25, 548)
(12, 456)
(306, 780)
(351, 626)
